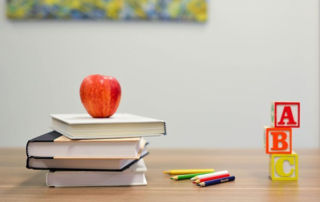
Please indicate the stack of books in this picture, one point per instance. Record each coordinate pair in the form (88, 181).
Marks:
(84, 151)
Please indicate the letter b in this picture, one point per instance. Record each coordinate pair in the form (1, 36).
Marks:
(278, 140)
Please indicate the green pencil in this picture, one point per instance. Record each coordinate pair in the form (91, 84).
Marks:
(187, 176)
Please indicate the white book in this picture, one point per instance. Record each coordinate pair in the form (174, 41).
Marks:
(93, 164)
(135, 175)
(83, 126)
(57, 146)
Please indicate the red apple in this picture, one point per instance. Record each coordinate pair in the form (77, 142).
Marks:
(100, 95)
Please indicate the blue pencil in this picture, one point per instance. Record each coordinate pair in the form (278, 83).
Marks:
(217, 181)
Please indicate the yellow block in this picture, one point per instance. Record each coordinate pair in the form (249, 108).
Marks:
(284, 166)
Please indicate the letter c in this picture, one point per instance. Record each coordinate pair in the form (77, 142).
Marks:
(279, 166)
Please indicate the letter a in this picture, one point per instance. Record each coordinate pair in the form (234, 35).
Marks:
(287, 114)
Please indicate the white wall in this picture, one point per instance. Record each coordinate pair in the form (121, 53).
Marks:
(212, 83)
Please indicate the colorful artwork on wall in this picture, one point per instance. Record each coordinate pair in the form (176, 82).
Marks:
(164, 10)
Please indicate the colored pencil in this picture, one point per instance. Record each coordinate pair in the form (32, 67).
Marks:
(210, 174)
(217, 181)
(184, 177)
(211, 178)
(187, 171)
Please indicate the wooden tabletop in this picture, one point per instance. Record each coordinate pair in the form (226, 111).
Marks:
(249, 166)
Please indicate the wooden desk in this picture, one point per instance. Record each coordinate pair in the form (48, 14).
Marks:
(249, 166)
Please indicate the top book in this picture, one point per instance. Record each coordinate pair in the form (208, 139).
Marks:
(83, 126)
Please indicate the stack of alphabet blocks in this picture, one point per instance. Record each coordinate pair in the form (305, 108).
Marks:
(278, 140)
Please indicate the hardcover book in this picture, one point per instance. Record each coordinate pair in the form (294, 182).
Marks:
(135, 175)
(55, 145)
(83, 126)
(47, 163)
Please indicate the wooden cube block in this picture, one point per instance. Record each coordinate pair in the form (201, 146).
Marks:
(284, 166)
(278, 140)
(286, 114)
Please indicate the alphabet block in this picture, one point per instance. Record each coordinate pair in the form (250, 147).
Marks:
(284, 166)
(278, 140)
(286, 114)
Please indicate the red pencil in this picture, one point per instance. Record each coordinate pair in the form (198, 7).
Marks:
(211, 178)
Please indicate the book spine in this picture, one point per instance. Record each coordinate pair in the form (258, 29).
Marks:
(27, 163)
(27, 153)
(165, 128)
(35, 157)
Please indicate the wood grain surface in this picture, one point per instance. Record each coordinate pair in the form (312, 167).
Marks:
(249, 166)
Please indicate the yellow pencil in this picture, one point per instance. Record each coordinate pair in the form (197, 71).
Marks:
(187, 171)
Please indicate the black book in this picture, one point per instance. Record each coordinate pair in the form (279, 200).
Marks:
(49, 163)
(56, 152)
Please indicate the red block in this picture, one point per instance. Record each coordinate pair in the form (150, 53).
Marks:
(287, 114)
(278, 140)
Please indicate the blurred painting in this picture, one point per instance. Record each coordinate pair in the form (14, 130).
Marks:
(164, 10)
